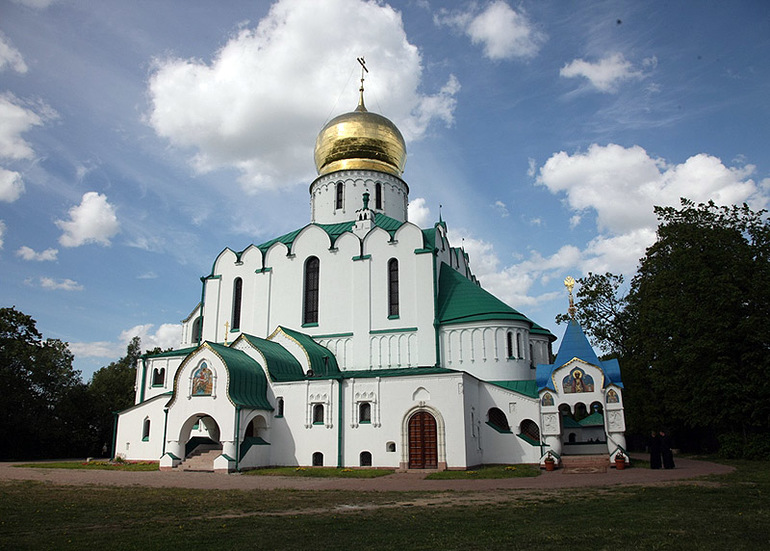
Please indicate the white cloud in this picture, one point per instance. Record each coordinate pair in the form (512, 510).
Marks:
(418, 213)
(30, 254)
(36, 4)
(60, 285)
(2, 234)
(621, 186)
(606, 74)
(500, 208)
(93, 221)
(168, 335)
(503, 32)
(15, 120)
(99, 349)
(11, 185)
(10, 57)
(255, 105)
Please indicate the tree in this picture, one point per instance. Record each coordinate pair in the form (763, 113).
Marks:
(39, 383)
(112, 389)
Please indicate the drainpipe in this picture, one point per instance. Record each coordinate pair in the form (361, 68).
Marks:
(144, 379)
(434, 257)
(165, 428)
(340, 419)
(114, 433)
(237, 439)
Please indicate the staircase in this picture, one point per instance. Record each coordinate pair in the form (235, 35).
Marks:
(202, 458)
(585, 464)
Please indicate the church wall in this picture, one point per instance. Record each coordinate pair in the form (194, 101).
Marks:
(501, 447)
(481, 349)
(323, 193)
(129, 440)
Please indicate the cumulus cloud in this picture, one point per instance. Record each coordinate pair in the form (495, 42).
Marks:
(606, 74)
(167, 335)
(30, 254)
(621, 185)
(418, 213)
(503, 32)
(11, 185)
(501, 208)
(60, 284)
(255, 105)
(10, 57)
(16, 119)
(92, 221)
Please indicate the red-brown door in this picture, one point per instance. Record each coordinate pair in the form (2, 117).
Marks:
(423, 450)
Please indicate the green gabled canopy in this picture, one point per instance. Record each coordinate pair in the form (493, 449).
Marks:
(281, 364)
(460, 300)
(247, 380)
(570, 423)
(321, 359)
(526, 387)
(593, 420)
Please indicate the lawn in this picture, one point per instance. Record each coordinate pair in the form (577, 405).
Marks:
(95, 465)
(320, 472)
(719, 512)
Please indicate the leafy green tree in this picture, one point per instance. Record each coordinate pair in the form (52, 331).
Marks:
(39, 383)
(112, 389)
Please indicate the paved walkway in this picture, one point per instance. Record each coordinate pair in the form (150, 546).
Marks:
(685, 469)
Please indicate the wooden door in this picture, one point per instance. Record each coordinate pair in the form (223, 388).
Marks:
(423, 448)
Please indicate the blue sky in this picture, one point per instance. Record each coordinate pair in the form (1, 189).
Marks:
(139, 139)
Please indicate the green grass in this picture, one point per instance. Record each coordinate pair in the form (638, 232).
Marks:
(320, 472)
(718, 512)
(94, 465)
(488, 471)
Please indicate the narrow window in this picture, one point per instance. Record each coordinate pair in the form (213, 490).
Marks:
(509, 343)
(311, 291)
(158, 376)
(364, 412)
(340, 192)
(280, 408)
(237, 295)
(518, 345)
(146, 430)
(318, 414)
(393, 288)
(365, 459)
(318, 459)
(197, 330)
(531, 357)
(378, 196)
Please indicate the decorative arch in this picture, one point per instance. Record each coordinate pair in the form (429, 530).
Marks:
(612, 397)
(202, 380)
(497, 418)
(577, 381)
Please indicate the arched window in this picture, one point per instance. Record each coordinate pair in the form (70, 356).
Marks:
(497, 419)
(279, 408)
(390, 447)
(365, 459)
(509, 344)
(146, 430)
(318, 459)
(158, 376)
(197, 329)
(237, 295)
(518, 346)
(393, 288)
(530, 429)
(378, 196)
(340, 193)
(318, 414)
(364, 412)
(311, 291)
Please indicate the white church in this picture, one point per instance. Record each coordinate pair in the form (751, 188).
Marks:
(362, 340)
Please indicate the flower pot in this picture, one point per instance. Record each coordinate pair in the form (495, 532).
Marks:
(620, 464)
(550, 465)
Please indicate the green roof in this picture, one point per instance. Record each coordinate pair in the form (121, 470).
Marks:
(247, 381)
(281, 364)
(171, 353)
(526, 387)
(334, 231)
(570, 423)
(460, 300)
(593, 420)
(322, 361)
(395, 372)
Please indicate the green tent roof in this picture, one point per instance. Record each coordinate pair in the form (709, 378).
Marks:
(247, 381)
(281, 365)
(460, 300)
(322, 361)
(593, 420)
(526, 387)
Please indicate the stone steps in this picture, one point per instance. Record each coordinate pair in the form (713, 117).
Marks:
(585, 461)
(202, 459)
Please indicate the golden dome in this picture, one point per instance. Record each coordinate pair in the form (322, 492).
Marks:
(360, 140)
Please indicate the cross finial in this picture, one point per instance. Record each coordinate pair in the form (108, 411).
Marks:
(361, 106)
(227, 330)
(569, 283)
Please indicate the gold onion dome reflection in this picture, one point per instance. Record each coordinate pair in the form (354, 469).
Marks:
(360, 140)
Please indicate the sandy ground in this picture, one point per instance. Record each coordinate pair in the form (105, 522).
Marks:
(685, 469)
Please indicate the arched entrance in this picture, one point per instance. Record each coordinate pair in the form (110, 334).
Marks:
(200, 433)
(423, 446)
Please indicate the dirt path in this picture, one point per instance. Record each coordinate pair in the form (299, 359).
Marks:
(686, 469)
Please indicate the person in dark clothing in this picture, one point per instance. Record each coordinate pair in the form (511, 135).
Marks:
(654, 445)
(665, 450)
